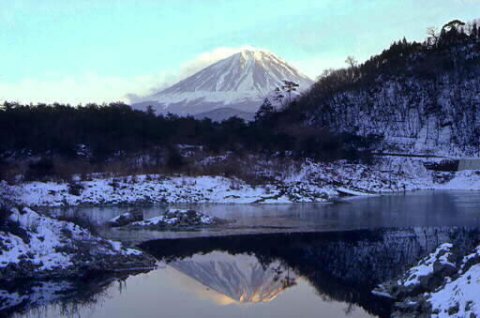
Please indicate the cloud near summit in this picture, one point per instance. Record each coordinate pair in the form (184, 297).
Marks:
(189, 68)
(92, 87)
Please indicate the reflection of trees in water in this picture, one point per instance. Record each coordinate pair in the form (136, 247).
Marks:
(342, 266)
(67, 298)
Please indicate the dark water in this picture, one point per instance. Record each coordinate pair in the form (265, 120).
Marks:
(441, 208)
(302, 261)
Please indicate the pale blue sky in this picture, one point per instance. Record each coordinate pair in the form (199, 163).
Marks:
(81, 50)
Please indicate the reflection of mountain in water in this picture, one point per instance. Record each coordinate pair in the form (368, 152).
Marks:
(343, 266)
(241, 277)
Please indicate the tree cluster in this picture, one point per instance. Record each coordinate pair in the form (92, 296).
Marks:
(442, 52)
(115, 129)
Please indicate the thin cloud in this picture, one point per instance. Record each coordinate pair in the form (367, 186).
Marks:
(189, 68)
(95, 88)
(86, 88)
(91, 87)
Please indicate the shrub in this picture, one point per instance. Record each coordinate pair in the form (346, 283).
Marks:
(174, 160)
(75, 188)
(4, 215)
(40, 170)
(82, 222)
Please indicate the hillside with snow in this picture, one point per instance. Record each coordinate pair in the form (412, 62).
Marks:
(419, 99)
(240, 82)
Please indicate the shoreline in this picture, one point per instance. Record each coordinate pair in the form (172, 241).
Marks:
(49, 194)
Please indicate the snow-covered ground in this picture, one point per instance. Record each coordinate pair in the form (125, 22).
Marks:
(45, 247)
(458, 298)
(312, 182)
(443, 284)
(427, 266)
(33, 245)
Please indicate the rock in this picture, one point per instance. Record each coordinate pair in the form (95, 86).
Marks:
(60, 249)
(442, 177)
(430, 287)
(176, 218)
(126, 218)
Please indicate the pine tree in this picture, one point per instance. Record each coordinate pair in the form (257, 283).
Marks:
(265, 110)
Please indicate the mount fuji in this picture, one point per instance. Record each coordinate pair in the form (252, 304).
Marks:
(234, 86)
(239, 278)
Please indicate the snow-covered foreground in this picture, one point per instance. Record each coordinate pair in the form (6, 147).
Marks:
(36, 246)
(312, 182)
(443, 284)
(139, 189)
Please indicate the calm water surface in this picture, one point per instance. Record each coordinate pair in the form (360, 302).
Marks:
(298, 261)
(440, 208)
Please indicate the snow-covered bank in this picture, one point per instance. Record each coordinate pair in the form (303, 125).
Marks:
(36, 246)
(135, 189)
(312, 182)
(446, 283)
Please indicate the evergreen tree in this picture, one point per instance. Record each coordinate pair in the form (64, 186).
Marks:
(474, 31)
(265, 110)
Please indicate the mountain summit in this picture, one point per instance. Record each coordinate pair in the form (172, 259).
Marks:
(236, 84)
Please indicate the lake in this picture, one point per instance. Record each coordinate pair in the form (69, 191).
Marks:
(310, 260)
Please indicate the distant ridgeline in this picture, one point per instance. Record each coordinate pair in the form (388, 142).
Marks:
(421, 98)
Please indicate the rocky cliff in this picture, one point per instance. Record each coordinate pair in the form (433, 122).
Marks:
(420, 99)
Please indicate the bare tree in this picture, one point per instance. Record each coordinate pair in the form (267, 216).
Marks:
(351, 61)
(433, 34)
(325, 73)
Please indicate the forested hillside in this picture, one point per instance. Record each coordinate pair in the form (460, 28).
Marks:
(60, 140)
(421, 98)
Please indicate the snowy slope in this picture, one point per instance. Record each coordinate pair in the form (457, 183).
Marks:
(241, 278)
(240, 81)
(443, 284)
(220, 114)
(435, 114)
(33, 245)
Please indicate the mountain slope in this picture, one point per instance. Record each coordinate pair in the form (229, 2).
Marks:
(419, 99)
(225, 112)
(239, 82)
(241, 278)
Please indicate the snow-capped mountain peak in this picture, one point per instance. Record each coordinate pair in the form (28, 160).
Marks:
(246, 71)
(240, 81)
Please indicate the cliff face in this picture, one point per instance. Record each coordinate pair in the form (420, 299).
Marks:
(425, 102)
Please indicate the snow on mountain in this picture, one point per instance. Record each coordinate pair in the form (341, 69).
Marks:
(239, 82)
(241, 278)
(219, 114)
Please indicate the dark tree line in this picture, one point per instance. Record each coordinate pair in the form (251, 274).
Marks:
(114, 129)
